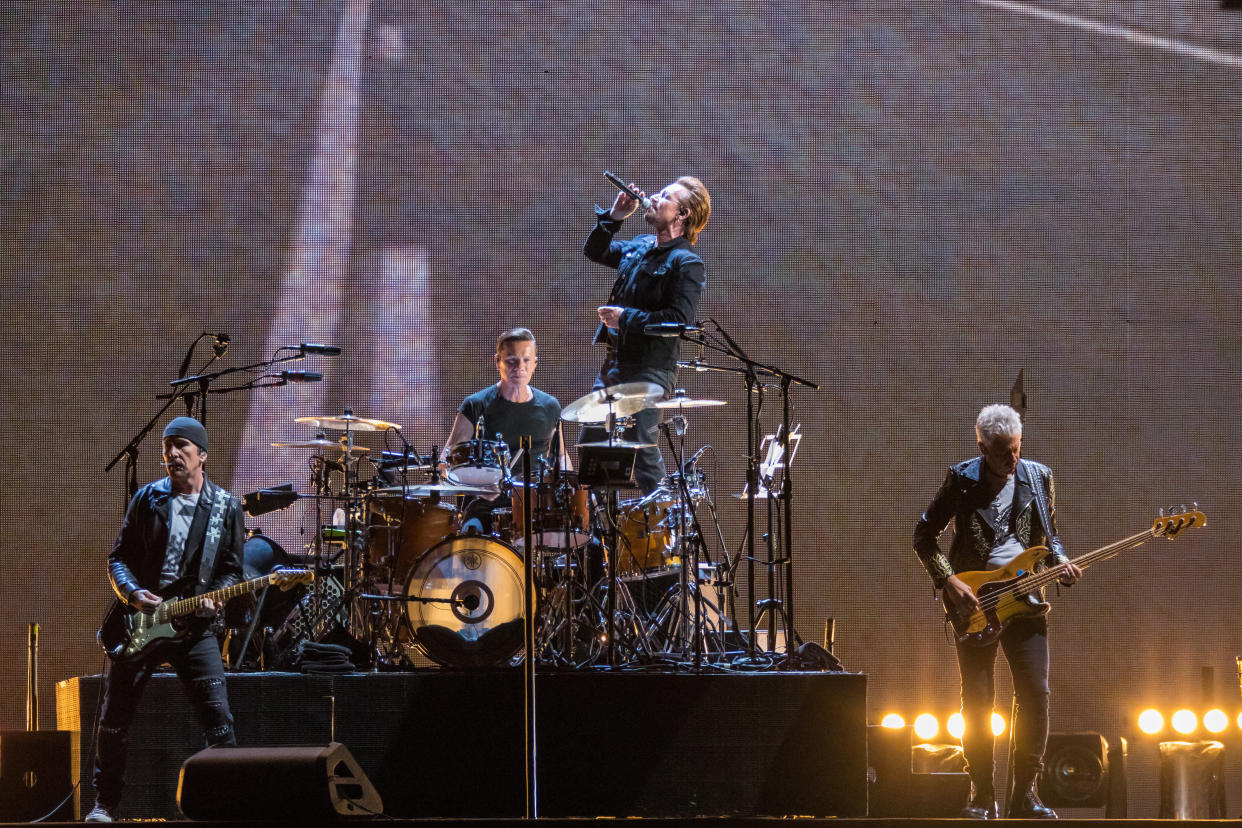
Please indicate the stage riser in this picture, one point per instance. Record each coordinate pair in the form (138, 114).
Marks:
(451, 745)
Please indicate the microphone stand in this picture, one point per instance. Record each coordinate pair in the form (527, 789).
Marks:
(751, 370)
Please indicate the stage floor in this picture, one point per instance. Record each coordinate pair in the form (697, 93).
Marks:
(449, 745)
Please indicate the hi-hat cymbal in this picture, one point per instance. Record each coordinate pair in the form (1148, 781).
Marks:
(324, 445)
(348, 422)
(617, 444)
(688, 402)
(622, 400)
(428, 489)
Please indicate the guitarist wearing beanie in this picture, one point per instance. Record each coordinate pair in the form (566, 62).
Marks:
(1000, 506)
(182, 537)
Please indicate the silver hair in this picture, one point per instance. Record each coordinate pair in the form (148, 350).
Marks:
(997, 421)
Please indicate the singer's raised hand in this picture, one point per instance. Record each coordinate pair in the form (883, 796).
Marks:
(625, 205)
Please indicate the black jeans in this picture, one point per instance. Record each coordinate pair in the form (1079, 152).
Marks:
(198, 665)
(1025, 642)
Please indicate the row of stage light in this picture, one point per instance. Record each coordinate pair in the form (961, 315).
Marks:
(1152, 722)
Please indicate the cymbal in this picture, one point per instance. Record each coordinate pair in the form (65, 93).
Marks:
(617, 444)
(622, 400)
(427, 489)
(348, 422)
(688, 402)
(324, 445)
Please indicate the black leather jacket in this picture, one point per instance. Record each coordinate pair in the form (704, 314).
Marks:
(655, 283)
(963, 498)
(138, 553)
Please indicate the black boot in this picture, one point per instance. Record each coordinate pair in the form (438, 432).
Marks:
(981, 805)
(1025, 804)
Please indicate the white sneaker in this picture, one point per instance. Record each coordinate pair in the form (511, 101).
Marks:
(99, 814)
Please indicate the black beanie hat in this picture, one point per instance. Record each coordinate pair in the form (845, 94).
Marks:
(189, 428)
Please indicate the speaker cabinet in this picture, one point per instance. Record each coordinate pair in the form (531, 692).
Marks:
(1076, 771)
(36, 775)
(230, 783)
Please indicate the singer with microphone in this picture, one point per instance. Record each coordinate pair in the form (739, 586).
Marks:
(660, 280)
(182, 536)
(509, 409)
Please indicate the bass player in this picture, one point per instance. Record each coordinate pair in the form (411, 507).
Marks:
(999, 505)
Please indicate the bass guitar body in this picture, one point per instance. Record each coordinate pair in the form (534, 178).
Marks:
(1001, 597)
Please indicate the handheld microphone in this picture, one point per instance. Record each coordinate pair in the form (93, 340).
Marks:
(316, 348)
(301, 376)
(628, 190)
(670, 329)
(220, 345)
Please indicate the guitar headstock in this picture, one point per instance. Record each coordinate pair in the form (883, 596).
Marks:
(1170, 525)
(287, 578)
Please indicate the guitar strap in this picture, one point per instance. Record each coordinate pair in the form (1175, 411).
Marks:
(215, 527)
(1041, 497)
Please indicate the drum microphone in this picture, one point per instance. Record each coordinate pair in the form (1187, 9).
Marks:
(317, 348)
(671, 329)
(628, 190)
(301, 376)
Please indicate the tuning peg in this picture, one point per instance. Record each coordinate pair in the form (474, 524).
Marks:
(1194, 504)
(1160, 512)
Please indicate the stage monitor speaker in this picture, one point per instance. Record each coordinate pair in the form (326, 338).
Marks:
(1076, 771)
(36, 775)
(315, 782)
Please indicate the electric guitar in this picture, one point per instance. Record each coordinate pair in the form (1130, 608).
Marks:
(1012, 591)
(127, 633)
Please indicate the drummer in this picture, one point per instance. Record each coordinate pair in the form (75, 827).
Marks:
(509, 410)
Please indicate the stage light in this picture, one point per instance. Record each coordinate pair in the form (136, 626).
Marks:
(1184, 721)
(956, 726)
(1215, 721)
(893, 720)
(925, 726)
(998, 724)
(1240, 721)
(1150, 721)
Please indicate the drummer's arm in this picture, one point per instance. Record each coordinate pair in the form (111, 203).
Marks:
(566, 463)
(462, 431)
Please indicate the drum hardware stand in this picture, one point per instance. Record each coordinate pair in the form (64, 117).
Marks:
(751, 371)
(687, 586)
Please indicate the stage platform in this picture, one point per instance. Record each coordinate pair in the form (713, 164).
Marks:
(448, 745)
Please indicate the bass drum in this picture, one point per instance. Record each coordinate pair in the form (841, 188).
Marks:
(477, 620)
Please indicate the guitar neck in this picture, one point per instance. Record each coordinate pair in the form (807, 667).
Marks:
(1094, 556)
(185, 606)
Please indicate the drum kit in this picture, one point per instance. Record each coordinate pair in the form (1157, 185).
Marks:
(407, 578)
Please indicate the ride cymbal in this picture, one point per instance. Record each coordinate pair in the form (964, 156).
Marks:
(348, 422)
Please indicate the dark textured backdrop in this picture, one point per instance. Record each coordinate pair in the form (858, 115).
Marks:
(912, 202)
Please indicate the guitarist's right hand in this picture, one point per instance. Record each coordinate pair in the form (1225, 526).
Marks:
(144, 599)
(960, 598)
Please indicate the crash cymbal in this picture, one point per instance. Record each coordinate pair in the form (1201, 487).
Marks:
(348, 422)
(622, 400)
(688, 402)
(617, 444)
(324, 444)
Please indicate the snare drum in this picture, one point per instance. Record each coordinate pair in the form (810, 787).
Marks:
(477, 463)
(559, 513)
(647, 534)
(399, 530)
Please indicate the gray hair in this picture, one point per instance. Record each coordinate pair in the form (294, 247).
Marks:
(997, 421)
